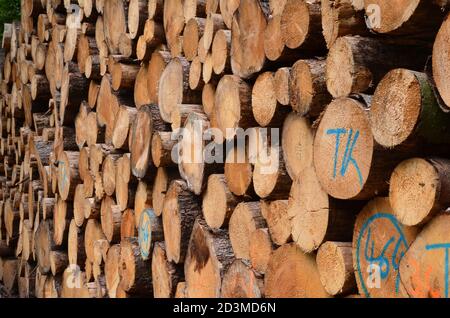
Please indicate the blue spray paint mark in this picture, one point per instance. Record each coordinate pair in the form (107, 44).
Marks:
(381, 260)
(445, 246)
(145, 233)
(348, 153)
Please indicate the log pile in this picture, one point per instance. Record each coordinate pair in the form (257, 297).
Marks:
(111, 111)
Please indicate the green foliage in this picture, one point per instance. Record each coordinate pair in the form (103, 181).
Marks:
(9, 11)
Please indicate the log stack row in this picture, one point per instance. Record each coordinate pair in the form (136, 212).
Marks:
(111, 111)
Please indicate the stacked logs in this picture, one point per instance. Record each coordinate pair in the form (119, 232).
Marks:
(122, 167)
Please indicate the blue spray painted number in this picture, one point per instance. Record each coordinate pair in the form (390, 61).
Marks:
(445, 246)
(348, 154)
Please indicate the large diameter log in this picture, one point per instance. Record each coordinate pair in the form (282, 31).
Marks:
(150, 231)
(134, 271)
(404, 18)
(424, 268)
(233, 107)
(419, 190)
(246, 218)
(114, 23)
(297, 140)
(301, 25)
(440, 64)
(379, 243)
(165, 274)
(218, 202)
(174, 89)
(292, 274)
(240, 281)
(247, 54)
(180, 210)
(340, 18)
(141, 134)
(420, 121)
(357, 64)
(335, 265)
(315, 217)
(209, 255)
(349, 163)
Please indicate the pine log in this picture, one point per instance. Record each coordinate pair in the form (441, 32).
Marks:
(165, 274)
(150, 231)
(260, 249)
(163, 179)
(111, 218)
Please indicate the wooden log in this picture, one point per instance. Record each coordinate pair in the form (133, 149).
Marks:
(260, 249)
(162, 146)
(114, 23)
(233, 106)
(422, 268)
(128, 227)
(227, 9)
(192, 33)
(44, 244)
(440, 65)
(209, 255)
(68, 176)
(155, 9)
(112, 270)
(180, 210)
(335, 266)
(142, 201)
(173, 21)
(247, 55)
(163, 179)
(246, 218)
(297, 139)
(10, 275)
(424, 122)
(292, 274)
(357, 64)
(365, 166)
(137, 16)
(111, 218)
(165, 274)
(62, 214)
(134, 271)
(196, 81)
(141, 134)
(379, 243)
(218, 202)
(240, 281)
(75, 247)
(239, 172)
(315, 217)
(124, 186)
(93, 232)
(418, 190)
(156, 66)
(150, 231)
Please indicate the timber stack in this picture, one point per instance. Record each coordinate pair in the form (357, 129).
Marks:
(111, 111)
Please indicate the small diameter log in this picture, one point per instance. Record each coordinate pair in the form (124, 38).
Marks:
(142, 201)
(75, 250)
(419, 190)
(423, 267)
(315, 217)
(156, 66)
(379, 243)
(196, 81)
(111, 219)
(137, 15)
(227, 9)
(112, 267)
(141, 134)
(68, 176)
(218, 202)
(162, 146)
(282, 85)
(220, 52)
(247, 54)
(123, 76)
(62, 215)
(233, 107)
(93, 232)
(180, 210)
(349, 163)
(150, 231)
(109, 173)
(58, 262)
(340, 18)
(301, 25)
(278, 222)
(191, 36)
(292, 274)
(357, 64)
(297, 140)
(441, 66)
(194, 8)
(44, 244)
(422, 122)
(266, 109)
(307, 87)
(209, 255)
(133, 270)
(165, 274)
(239, 172)
(124, 194)
(240, 281)
(173, 21)
(122, 126)
(260, 249)
(246, 218)
(128, 227)
(335, 265)
(163, 179)
(270, 178)
(174, 89)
